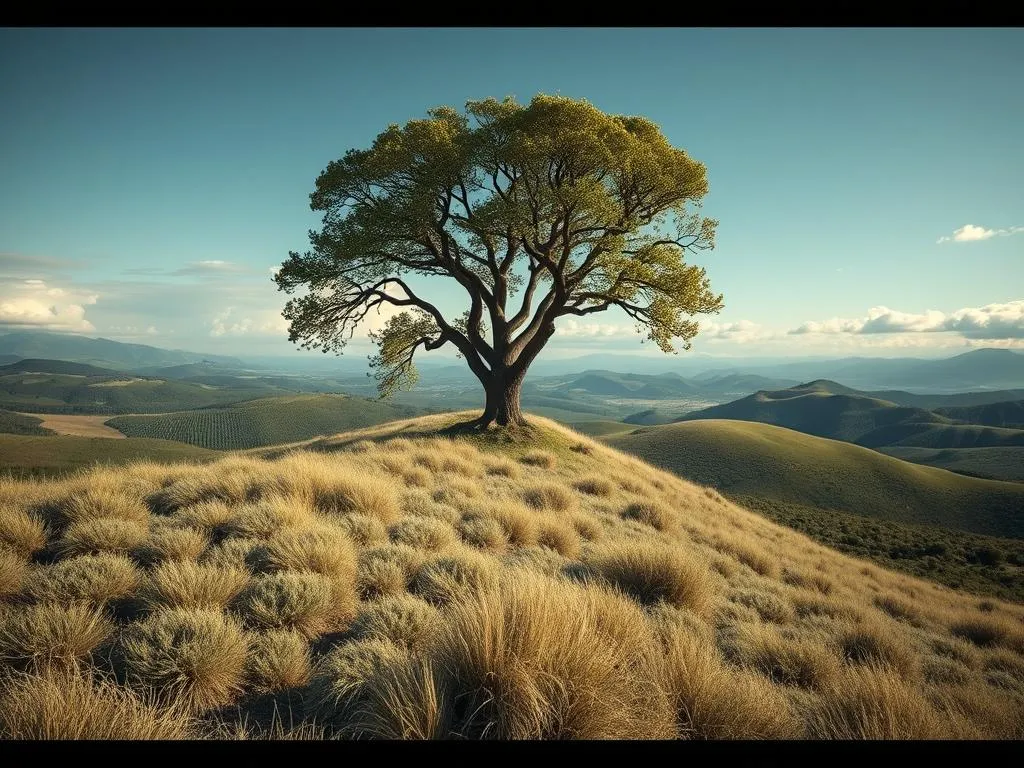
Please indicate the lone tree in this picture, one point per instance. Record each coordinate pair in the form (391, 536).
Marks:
(539, 212)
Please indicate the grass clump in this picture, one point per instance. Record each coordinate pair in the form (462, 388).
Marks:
(185, 584)
(38, 637)
(802, 663)
(94, 501)
(873, 703)
(195, 657)
(542, 459)
(172, 544)
(337, 692)
(263, 518)
(364, 530)
(387, 570)
(323, 550)
(105, 534)
(651, 513)
(309, 603)
(560, 536)
(594, 486)
(869, 644)
(519, 524)
(499, 466)
(531, 658)
(72, 706)
(447, 578)
(651, 573)
(550, 497)
(279, 661)
(712, 702)
(21, 532)
(986, 630)
(769, 606)
(898, 609)
(483, 532)
(423, 533)
(406, 621)
(12, 574)
(96, 579)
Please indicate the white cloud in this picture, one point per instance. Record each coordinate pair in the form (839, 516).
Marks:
(223, 325)
(131, 331)
(971, 232)
(31, 303)
(740, 332)
(573, 328)
(208, 267)
(993, 321)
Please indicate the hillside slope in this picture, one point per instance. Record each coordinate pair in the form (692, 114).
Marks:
(391, 584)
(265, 421)
(747, 457)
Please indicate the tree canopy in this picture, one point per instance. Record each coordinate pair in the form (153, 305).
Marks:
(541, 211)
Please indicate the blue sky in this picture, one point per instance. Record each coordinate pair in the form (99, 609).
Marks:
(868, 182)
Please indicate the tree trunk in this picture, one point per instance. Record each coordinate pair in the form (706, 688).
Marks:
(503, 395)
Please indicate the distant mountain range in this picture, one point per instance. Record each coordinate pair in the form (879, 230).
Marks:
(828, 409)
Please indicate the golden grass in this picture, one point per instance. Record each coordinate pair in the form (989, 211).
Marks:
(309, 603)
(71, 706)
(12, 573)
(379, 586)
(195, 657)
(653, 573)
(95, 579)
(38, 637)
(186, 584)
(542, 459)
(279, 661)
(104, 534)
(21, 532)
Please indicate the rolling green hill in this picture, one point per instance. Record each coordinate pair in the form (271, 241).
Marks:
(992, 463)
(1004, 414)
(827, 409)
(602, 428)
(265, 421)
(57, 386)
(18, 424)
(782, 464)
(52, 455)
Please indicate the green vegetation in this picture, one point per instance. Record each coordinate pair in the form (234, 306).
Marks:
(990, 463)
(784, 465)
(491, 198)
(31, 456)
(601, 428)
(313, 593)
(266, 421)
(18, 424)
(1005, 414)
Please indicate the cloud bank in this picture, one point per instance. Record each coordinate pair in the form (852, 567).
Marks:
(992, 321)
(35, 304)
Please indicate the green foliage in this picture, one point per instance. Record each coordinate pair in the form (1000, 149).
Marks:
(20, 424)
(553, 196)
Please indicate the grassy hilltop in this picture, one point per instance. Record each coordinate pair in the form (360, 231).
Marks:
(391, 582)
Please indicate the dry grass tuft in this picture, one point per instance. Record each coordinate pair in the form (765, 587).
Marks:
(262, 519)
(536, 658)
(309, 603)
(483, 532)
(12, 574)
(406, 621)
(499, 466)
(756, 559)
(279, 661)
(587, 527)
(95, 579)
(172, 544)
(519, 524)
(104, 534)
(449, 578)
(594, 486)
(70, 706)
(898, 608)
(651, 513)
(542, 459)
(873, 703)
(652, 573)
(560, 536)
(423, 533)
(387, 570)
(321, 549)
(986, 630)
(770, 607)
(38, 637)
(363, 530)
(549, 496)
(802, 663)
(21, 532)
(95, 500)
(870, 644)
(191, 656)
(713, 702)
(338, 689)
(215, 518)
(185, 584)
(233, 553)
(417, 477)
